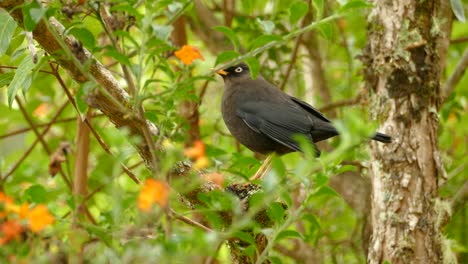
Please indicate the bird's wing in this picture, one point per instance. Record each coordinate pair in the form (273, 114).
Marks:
(310, 109)
(277, 121)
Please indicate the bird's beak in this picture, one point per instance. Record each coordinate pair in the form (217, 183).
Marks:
(222, 72)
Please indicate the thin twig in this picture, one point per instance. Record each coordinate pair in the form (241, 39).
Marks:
(456, 76)
(291, 63)
(460, 197)
(272, 44)
(29, 150)
(26, 129)
(32, 125)
(342, 103)
(14, 68)
(93, 131)
(459, 40)
(189, 221)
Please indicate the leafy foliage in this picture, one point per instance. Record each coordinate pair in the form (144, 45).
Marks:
(177, 214)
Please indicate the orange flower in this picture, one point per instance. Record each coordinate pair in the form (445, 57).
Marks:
(10, 230)
(23, 211)
(5, 199)
(41, 111)
(39, 218)
(153, 191)
(195, 152)
(187, 54)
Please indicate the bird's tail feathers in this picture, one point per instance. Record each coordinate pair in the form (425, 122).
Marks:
(382, 138)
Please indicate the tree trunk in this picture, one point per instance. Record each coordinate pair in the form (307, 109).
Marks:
(404, 59)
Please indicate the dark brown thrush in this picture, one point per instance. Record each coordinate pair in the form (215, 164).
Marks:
(265, 119)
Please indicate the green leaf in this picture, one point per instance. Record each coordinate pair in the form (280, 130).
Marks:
(354, 5)
(121, 58)
(346, 168)
(32, 14)
(266, 26)
(263, 40)
(325, 191)
(7, 28)
(36, 194)
(276, 212)
(230, 34)
(297, 10)
(318, 5)
(326, 30)
(247, 5)
(20, 78)
(246, 237)
(457, 8)
(162, 32)
(85, 36)
(130, 10)
(6, 78)
(254, 66)
(102, 233)
(226, 56)
(311, 219)
(288, 234)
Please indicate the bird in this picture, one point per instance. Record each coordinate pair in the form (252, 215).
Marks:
(265, 119)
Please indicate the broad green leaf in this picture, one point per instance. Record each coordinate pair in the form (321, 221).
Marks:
(174, 7)
(288, 234)
(457, 8)
(325, 191)
(7, 28)
(36, 194)
(21, 75)
(162, 32)
(312, 220)
(346, 168)
(102, 233)
(226, 56)
(85, 36)
(230, 34)
(354, 5)
(247, 5)
(254, 66)
(6, 78)
(318, 5)
(297, 10)
(263, 40)
(246, 237)
(267, 26)
(127, 9)
(275, 260)
(276, 212)
(121, 58)
(326, 30)
(32, 14)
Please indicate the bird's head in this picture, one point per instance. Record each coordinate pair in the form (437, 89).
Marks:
(236, 72)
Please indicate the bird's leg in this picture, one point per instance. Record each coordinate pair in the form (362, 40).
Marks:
(263, 170)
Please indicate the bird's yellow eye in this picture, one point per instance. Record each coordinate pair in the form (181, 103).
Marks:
(238, 69)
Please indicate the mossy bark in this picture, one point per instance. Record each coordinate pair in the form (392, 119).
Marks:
(404, 59)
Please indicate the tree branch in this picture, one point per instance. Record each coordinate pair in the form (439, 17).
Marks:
(110, 98)
(456, 76)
